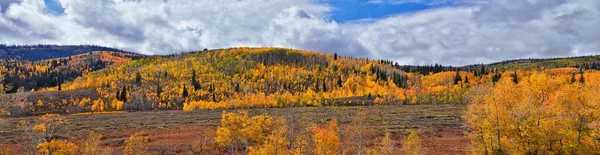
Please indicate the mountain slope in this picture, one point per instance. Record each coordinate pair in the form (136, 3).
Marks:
(241, 77)
(41, 52)
(587, 62)
(23, 75)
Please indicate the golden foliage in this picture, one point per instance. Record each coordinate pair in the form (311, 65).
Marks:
(276, 143)
(98, 106)
(116, 104)
(57, 147)
(90, 146)
(412, 144)
(136, 144)
(238, 130)
(50, 125)
(326, 138)
(542, 113)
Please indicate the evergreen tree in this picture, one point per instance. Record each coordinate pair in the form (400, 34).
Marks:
(237, 88)
(335, 56)
(573, 80)
(496, 77)
(483, 71)
(118, 95)
(195, 82)
(184, 94)
(581, 78)
(324, 86)
(124, 94)
(467, 79)
(457, 78)
(138, 79)
(515, 78)
(339, 81)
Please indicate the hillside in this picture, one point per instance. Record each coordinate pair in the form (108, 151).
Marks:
(23, 75)
(240, 77)
(584, 62)
(41, 52)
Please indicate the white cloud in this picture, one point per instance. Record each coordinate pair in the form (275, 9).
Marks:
(479, 31)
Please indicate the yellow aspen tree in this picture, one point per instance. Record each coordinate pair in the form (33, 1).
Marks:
(2, 113)
(229, 133)
(326, 138)
(50, 126)
(98, 105)
(412, 144)
(90, 146)
(57, 147)
(136, 144)
(387, 144)
(116, 104)
(276, 143)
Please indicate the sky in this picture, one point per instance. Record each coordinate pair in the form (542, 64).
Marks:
(451, 32)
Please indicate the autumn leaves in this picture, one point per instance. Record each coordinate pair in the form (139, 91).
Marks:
(543, 113)
(264, 134)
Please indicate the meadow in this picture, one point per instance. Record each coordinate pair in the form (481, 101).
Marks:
(174, 131)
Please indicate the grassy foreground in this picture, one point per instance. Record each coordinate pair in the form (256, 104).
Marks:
(174, 131)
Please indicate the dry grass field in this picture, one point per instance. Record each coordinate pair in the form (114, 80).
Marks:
(173, 132)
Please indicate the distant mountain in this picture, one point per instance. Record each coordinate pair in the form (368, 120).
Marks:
(585, 62)
(41, 52)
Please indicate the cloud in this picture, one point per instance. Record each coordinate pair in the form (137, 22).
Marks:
(476, 31)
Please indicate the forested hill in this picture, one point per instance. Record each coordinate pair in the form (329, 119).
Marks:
(41, 52)
(241, 77)
(22, 75)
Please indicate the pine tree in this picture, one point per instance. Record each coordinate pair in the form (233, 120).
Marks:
(335, 56)
(118, 95)
(184, 94)
(581, 78)
(515, 78)
(496, 77)
(324, 86)
(124, 94)
(573, 80)
(457, 78)
(483, 71)
(138, 79)
(339, 81)
(237, 88)
(195, 82)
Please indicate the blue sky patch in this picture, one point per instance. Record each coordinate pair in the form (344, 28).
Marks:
(351, 10)
(54, 7)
